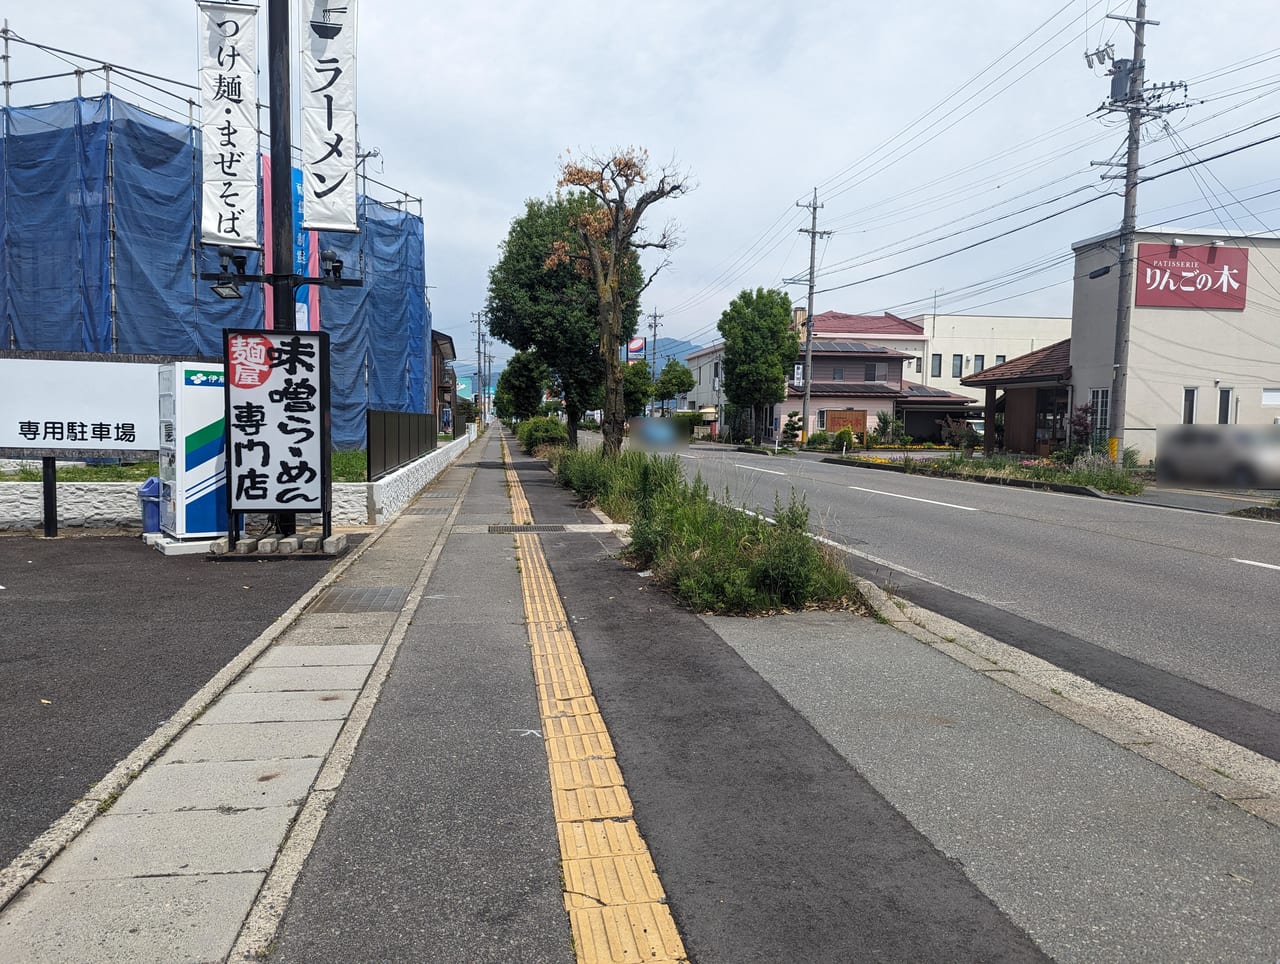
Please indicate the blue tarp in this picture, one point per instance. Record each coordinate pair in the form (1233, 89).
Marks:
(67, 169)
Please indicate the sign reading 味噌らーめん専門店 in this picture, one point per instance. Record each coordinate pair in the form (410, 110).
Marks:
(277, 385)
(1192, 276)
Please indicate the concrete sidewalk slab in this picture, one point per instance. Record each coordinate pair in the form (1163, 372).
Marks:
(286, 679)
(252, 741)
(126, 921)
(339, 629)
(246, 707)
(185, 843)
(209, 786)
(334, 654)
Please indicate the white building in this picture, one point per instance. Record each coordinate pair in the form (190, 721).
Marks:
(1204, 331)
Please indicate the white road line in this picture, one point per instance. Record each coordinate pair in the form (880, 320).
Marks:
(1260, 565)
(752, 468)
(912, 498)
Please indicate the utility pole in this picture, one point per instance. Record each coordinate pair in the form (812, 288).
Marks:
(653, 351)
(479, 367)
(488, 377)
(813, 233)
(1130, 95)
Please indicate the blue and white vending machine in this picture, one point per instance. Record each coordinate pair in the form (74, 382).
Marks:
(193, 477)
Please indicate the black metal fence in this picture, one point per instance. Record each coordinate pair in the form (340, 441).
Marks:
(396, 439)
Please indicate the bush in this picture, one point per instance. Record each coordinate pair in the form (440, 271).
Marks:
(535, 433)
(844, 440)
(819, 440)
(712, 556)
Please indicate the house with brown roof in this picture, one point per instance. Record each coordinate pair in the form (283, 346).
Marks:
(1036, 402)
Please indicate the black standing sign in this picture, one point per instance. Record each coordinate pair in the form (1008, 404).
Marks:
(277, 423)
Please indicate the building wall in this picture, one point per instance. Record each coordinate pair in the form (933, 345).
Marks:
(1174, 349)
(987, 335)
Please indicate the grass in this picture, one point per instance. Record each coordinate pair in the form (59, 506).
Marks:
(1096, 471)
(347, 467)
(136, 472)
(710, 555)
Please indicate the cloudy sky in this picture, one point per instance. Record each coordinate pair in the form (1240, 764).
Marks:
(925, 128)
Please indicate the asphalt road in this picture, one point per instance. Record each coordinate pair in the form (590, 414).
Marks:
(1179, 604)
(101, 640)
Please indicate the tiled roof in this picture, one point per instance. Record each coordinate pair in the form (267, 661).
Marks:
(846, 389)
(886, 325)
(1052, 363)
(924, 393)
(854, 348)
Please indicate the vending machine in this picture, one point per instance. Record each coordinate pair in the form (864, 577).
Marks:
(193, 478)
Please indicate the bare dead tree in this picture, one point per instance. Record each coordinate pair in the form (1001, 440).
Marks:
(611, 236)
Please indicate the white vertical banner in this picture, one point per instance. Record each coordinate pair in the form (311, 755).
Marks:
(229, 122)
(328, 96)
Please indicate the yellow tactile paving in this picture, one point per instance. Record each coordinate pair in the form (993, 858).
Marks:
(573, 774)
(586, 746)
(591, 803)
(574, 706)
(554, 726)
(599, 838)
(611, 881)
(617, 907)
(630, 934)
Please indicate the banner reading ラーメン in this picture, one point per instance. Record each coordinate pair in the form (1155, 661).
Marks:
(328, 94)
(229, 122)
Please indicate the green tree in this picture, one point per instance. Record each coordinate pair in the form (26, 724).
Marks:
(552, 309)
(637, 388)
(521, 386)
(464, 411)
(606, 249)
(675, 379)
(759, 350)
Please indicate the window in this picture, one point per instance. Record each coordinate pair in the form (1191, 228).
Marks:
(837, 374)
(1100, 399)
(1224, 406)
(999, 359)
(1188, 406)
(957, 366)
(822, 419)
(876, 372)
(935, 368)
(919, 364)
(1271, 396)
(979, 363)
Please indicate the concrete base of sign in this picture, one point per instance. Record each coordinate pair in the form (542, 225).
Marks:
(182, 547)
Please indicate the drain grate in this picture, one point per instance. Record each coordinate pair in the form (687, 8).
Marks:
(498, 530)
(378, 599)
(427, 510)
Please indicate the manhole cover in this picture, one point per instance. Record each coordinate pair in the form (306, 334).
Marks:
(377, 599)
(497, 530)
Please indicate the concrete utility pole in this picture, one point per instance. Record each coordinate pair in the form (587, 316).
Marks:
(653, 349)
(1134, 103)
(813, 233)
(488, 377)
(479, 367)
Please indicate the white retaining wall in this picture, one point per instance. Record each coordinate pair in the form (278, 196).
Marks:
(115, 504)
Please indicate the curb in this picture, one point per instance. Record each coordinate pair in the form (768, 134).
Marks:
(1237, 775)
(25, 867)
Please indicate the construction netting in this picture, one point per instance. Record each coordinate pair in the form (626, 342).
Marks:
(99, 252)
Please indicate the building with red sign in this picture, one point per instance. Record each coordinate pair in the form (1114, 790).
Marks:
(1204, 331)
(1203, 346)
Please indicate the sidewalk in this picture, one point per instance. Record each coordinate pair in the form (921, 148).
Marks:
(386, 782)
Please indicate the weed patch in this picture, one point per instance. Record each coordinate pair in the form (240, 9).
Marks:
(712, 556)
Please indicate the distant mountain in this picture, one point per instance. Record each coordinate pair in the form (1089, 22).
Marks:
(676, 348)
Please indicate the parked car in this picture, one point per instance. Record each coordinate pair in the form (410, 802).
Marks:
(1238, 456)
